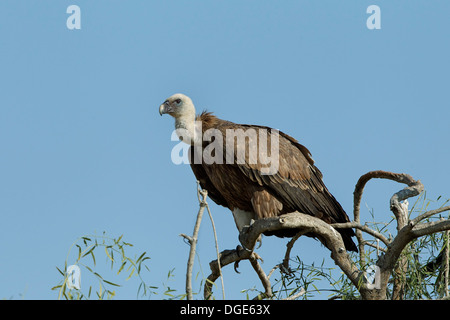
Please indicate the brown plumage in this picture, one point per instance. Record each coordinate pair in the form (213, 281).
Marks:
(242, 187)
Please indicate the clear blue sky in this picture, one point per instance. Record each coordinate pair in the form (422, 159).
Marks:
(83, 149)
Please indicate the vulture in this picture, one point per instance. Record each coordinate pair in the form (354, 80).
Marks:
(255, 171)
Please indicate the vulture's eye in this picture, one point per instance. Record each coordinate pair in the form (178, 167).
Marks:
(178, 101)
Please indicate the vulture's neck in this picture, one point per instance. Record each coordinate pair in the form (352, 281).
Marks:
(185, 128)
(190, 128)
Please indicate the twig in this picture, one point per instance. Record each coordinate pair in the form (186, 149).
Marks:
(367, 243)
(193, 243)
(423, 229)
(273, 269)
(295, 296)
(226, 257)
(427, 214)
(446, 264)
(261, 274)
(217, 250)
(289, 246)
(364, 228)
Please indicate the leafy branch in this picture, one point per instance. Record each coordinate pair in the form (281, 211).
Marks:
(116, 253)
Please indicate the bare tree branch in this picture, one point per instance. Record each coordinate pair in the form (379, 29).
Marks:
(217, 247)
(423, 229)
(364, 228)
(414, 188)
(428, 214)
(193, 243)
(407, 231)
(446, 264)
(262, 276)
(289, 247)
(226, 257)
(296, 220)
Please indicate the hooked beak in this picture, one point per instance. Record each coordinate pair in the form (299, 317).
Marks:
(164, 108)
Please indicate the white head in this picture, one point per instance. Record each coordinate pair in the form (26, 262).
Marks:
(182, 109)
(178, 106)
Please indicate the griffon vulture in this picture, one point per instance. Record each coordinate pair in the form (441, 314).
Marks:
(233, 163)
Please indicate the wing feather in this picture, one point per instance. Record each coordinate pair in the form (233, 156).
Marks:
(204, 180)
(298, 182)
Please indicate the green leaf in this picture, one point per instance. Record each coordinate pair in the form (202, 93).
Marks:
(107, 253)
(122, 266)
(79, 253)
(85, 240)
(95, 273)
(131, 274)
(140, 257)
(89, 251)
(93, 257)
(62, 273)
(111, 294)
(111, 283)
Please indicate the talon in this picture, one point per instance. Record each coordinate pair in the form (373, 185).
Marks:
(236, 266)
(259, 241)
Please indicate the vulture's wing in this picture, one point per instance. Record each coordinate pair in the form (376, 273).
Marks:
(203, 178)
(298, 182)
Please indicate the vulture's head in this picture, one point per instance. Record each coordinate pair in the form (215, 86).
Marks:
(178, 106)
(182, 109)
